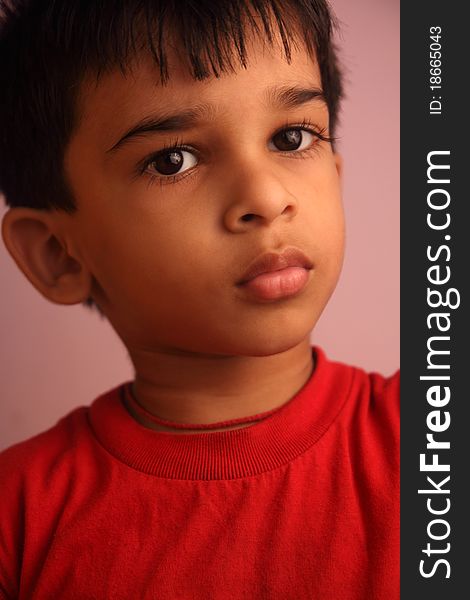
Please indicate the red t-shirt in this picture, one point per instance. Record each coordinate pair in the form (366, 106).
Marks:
(302, 505)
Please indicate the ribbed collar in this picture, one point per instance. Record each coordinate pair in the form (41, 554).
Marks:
(280, 437)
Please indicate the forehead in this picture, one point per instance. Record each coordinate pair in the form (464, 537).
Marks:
(118, 99)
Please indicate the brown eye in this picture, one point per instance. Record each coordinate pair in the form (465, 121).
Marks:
(289, 140)
(172, 162)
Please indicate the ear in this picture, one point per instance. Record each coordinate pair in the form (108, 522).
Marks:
(33, 239)
(339, 164)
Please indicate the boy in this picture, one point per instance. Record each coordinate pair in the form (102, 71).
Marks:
(180, 175)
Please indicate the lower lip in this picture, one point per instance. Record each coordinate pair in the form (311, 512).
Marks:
(277, 284)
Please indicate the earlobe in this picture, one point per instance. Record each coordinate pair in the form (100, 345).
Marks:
(36, 247)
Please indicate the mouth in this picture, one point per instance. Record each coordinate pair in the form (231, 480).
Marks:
(273, 276)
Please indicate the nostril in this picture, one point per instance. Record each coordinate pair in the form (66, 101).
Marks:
(248, 217)
(288, 209)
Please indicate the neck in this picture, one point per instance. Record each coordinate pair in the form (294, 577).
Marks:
(185, 387)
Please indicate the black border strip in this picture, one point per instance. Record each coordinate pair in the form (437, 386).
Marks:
(427, 129)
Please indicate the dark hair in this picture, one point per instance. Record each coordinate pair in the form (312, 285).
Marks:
(48, 46)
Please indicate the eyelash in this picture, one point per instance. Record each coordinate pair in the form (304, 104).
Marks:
(175, 145)
(310, 127)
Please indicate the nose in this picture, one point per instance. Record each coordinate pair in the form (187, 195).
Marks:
(257, 197)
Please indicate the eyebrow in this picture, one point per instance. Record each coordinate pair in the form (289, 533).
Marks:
(291, 97)
(280, 97)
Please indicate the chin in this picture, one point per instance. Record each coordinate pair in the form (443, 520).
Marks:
(273, 347)
(268, 340)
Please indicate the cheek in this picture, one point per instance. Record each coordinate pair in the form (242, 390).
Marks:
(148, 258)
(323, 214)
(333, 240)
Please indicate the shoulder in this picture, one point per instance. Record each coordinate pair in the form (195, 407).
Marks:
(54, 435)
(38, 478)
(71, 437)
(368, 394)
(33, 458)
(65, 447)
(370, 413)
(378, 397)
(27, 471)
(52, 459)
(368, 430)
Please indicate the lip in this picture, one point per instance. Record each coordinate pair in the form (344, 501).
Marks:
(272, 261)
(273, 277)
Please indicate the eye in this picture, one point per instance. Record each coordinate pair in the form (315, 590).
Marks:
(172, 161)
(292, 139)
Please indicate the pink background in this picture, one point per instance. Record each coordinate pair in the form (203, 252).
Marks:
(54, 358)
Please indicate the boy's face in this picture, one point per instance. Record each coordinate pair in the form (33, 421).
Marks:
(168, 238)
